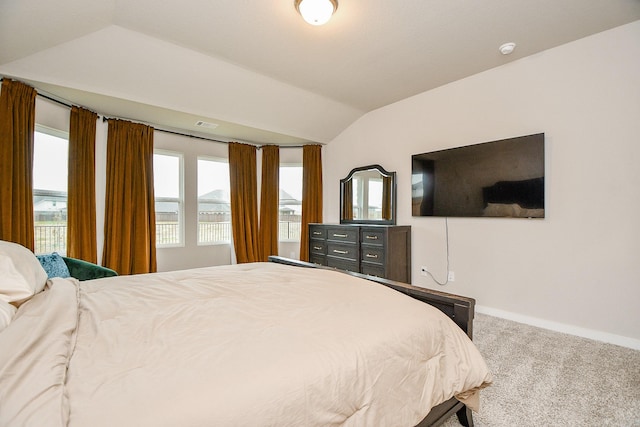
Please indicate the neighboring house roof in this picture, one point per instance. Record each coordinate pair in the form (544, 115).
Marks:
(214, 207)
(49, 201)
(215, 196)
(287, 199)
(166, 207)
(215, 201)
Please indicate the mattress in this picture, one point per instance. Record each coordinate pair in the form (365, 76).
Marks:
(250, 344)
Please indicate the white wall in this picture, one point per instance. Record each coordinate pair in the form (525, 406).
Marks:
(578, 269)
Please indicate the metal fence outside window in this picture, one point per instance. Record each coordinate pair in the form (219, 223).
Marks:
(288, 230)
(167, 233)
(214, 232)
(53, 237)
(50, 238)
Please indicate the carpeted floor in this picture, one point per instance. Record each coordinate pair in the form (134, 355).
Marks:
(544, 378)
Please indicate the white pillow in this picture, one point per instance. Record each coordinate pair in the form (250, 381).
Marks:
(21, 275)
(6, 314)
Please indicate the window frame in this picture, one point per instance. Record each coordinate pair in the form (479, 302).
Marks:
(215, 159)
(179, 199)
(61, 134)
(287, 165)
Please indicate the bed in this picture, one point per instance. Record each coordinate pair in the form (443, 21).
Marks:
(268, 344)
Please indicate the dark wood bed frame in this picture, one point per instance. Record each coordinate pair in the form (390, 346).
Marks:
(460, 309)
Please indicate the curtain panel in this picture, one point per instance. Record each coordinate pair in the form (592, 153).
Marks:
(269, 201)
(17, 127)
(81, 198)
(311, 194)
(244, 201)
(347, 200)
(387, 193)
(130, 219)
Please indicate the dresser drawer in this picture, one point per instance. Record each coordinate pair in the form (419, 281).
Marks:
(343, 234)
(343, 250)
(343, 264)
(317, 231)
(373, 270)
(318, 259)
(370, 236)
(317, 247)
(372, 254)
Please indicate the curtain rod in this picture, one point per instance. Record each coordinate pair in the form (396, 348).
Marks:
(50, 98)
(105, 118)
(204, 138)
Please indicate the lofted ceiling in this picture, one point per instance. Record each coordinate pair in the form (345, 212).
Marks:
(258, 71)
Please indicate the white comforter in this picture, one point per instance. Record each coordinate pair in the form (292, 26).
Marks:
(252, 344)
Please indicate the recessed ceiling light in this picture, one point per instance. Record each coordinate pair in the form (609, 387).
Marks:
(507, 48)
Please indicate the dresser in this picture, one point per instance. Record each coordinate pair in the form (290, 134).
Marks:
(377, 250)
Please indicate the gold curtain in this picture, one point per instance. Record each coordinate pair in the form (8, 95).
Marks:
(17, 126)
(244, 201)
(386, 197)
(130, 219)
(269, 201)
(81, 201)
(311, 194)
(347, 199)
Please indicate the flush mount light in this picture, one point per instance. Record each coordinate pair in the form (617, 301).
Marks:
(316, 12)
(507, 48)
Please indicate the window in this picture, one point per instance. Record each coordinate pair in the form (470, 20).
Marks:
(214, 203)
(375, 198)
(167, 182)
(50, 160)
(290, 203)
(367, 196)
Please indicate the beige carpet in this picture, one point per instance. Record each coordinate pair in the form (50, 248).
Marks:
(545, 378)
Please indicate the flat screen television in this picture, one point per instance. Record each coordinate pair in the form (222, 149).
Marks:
(502, 178)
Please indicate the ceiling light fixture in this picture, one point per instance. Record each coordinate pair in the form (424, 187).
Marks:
(316, 12)
(507, 48)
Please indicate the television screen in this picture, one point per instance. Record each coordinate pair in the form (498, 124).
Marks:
(502, 178)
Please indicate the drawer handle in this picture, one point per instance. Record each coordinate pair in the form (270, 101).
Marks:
(339, 235)
(317, 233)
(371, 237)
(317, 248)
(371, 256)
(335, 251)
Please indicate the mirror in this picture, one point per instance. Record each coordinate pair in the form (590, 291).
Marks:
(368, 195)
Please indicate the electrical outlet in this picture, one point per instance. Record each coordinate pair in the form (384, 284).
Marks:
(451, 277)
(424, 270)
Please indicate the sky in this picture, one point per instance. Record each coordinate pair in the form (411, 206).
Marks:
(212, 175)
(50, 159)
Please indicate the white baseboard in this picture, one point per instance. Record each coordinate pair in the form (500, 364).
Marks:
(561, 327)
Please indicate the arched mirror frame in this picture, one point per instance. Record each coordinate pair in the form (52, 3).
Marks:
(346, 197)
